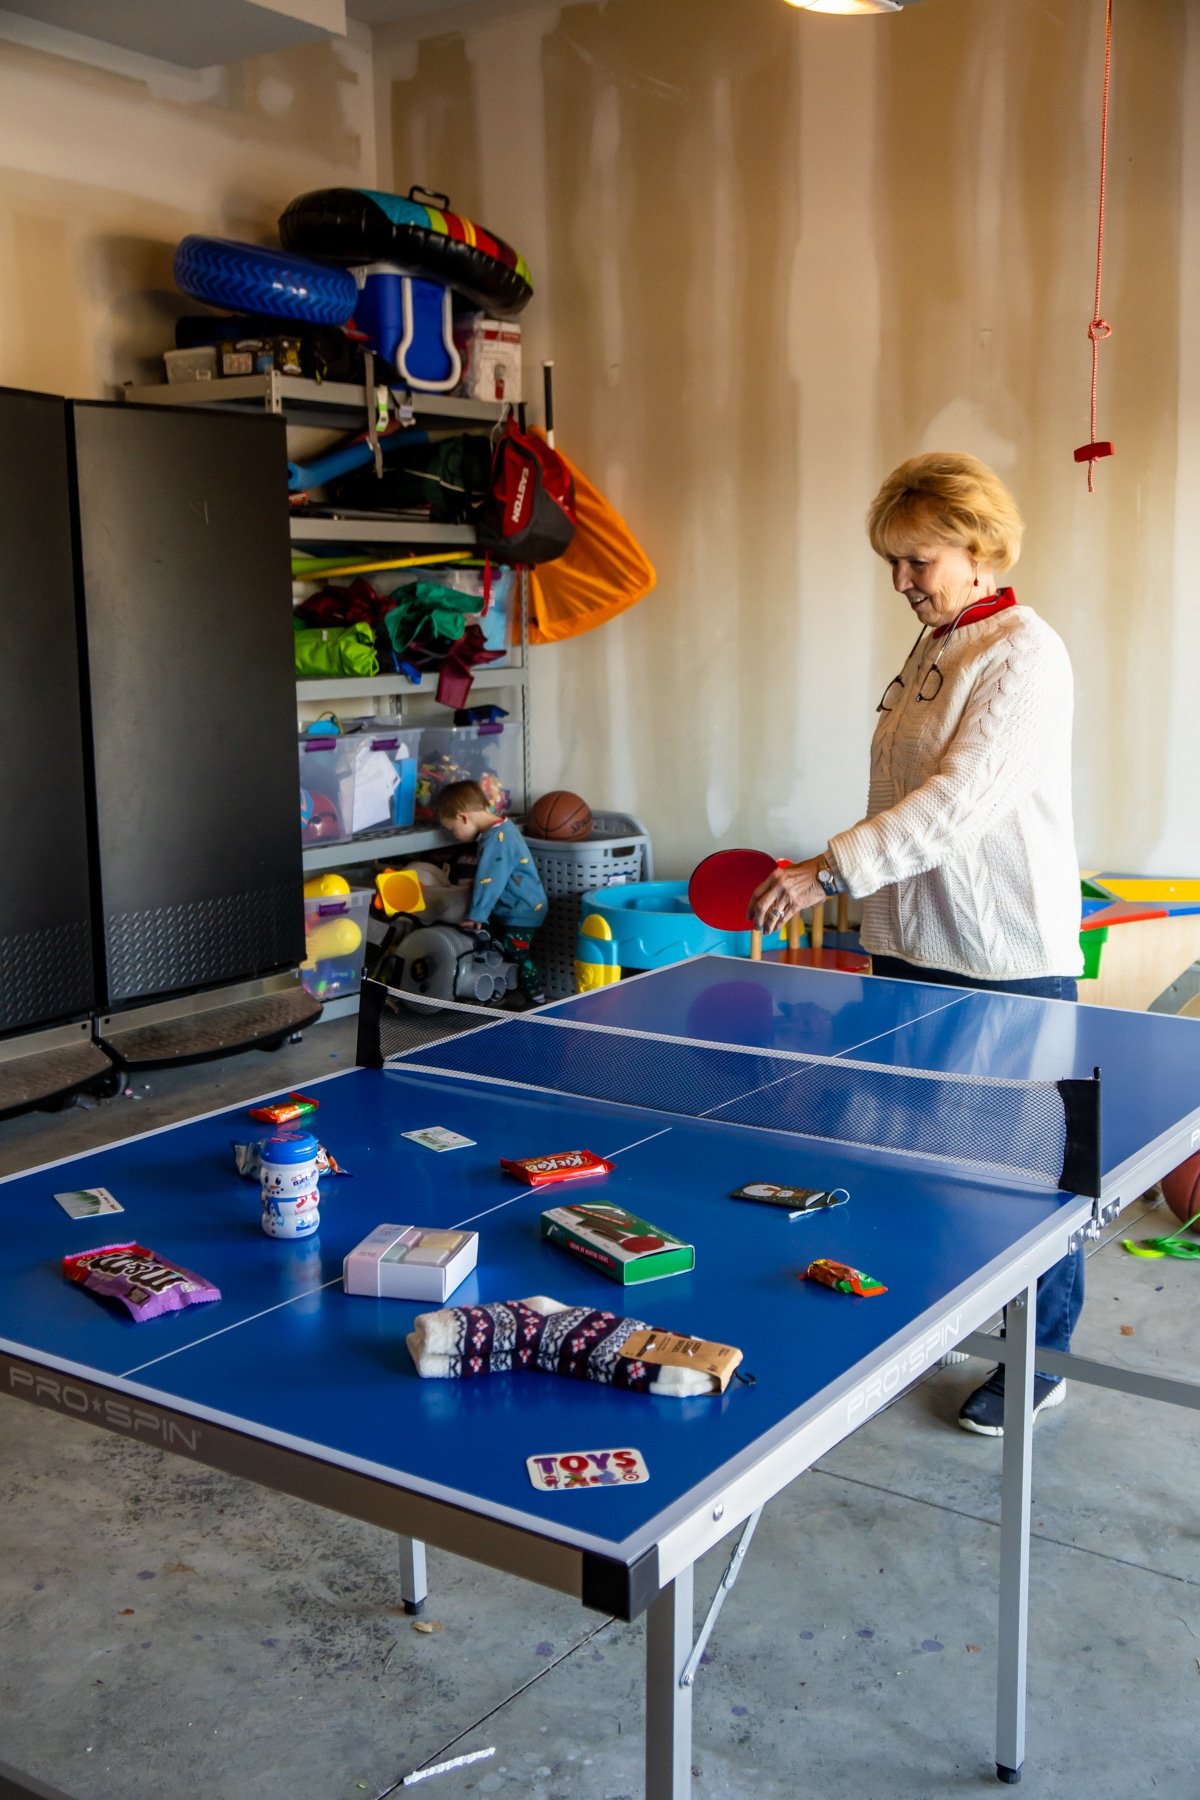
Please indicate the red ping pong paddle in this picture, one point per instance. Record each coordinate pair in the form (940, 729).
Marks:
(720, 889)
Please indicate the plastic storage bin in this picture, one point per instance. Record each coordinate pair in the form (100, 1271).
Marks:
(488, 754)
(497, 622)
(335, 943)
(360, 781)
(618, 851)
(199, 364)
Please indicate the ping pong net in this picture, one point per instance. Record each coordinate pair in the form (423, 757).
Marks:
(1046, 1133)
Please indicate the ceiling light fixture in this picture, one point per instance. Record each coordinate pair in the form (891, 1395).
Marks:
(851, 6)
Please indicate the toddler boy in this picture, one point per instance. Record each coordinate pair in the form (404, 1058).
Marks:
(508, 898)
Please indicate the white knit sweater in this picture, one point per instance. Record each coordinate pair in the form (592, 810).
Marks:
(967, 852)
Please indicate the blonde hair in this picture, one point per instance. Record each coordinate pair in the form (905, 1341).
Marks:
(459, 797)
(952, 498)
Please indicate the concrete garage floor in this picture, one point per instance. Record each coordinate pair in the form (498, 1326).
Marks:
(167, 1630)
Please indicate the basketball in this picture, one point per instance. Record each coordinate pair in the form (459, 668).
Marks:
(559, 816)
(1181, 1189)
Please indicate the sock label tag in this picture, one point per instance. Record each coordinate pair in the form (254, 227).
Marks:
(665, 1349)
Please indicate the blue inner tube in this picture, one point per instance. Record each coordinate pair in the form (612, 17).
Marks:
(359, 225)
(246, 278)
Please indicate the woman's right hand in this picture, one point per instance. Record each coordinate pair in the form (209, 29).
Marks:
(786, 892)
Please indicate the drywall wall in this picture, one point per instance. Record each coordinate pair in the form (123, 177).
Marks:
(774, 254)
(101, 174)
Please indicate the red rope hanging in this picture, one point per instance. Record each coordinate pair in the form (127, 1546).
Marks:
(1099, 327)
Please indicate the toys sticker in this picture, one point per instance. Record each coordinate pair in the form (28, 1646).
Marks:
(586, 1469)
(438, 1137)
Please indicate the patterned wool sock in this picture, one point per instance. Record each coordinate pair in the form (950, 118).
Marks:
(543, 1334)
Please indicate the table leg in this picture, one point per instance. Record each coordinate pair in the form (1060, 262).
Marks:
(668, 1701)
(1016, 1488)
(412, 1574)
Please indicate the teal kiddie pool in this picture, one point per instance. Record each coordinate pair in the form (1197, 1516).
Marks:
(646, 925)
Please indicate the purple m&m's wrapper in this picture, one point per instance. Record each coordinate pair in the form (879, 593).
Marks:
(145, 1283)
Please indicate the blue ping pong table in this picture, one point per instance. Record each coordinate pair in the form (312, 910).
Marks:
(953, 1237)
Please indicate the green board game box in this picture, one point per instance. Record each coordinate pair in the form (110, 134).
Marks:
(617, 1243)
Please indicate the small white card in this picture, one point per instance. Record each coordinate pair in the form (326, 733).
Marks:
(438, 1137)
(586, 1469)
(86, 1203)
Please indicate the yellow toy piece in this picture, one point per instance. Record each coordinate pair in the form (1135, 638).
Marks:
(594, 975)
(332, 937)
(1151, 890)
(325, 887)
(595, 955)
(400, 891)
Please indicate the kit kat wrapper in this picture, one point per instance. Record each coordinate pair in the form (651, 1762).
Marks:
(562, 1165)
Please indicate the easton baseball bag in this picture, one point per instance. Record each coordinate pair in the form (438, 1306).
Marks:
(529, 515)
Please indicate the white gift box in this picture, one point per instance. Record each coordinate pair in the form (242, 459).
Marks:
(410, 1262)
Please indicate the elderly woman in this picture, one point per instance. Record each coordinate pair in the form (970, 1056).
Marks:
(966, 861)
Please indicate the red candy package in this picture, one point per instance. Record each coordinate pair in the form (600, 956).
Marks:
(142, 1281)
(565, 1165)
(282, 1112)
(842, 1278)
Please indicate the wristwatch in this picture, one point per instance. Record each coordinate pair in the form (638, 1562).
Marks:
(827, 882)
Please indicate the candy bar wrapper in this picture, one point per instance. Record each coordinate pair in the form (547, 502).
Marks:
(248, 1159)
(564, 1165)
(842, 1278)
(145, 1283)
(283, 1112)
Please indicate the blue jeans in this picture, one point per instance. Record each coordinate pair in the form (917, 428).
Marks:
(1060, 1289)
(1041, 987)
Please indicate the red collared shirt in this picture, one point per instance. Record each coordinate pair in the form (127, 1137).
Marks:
(983, 609)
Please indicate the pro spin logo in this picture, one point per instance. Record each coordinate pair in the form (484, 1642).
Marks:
(44, 1389)
(868, 1398)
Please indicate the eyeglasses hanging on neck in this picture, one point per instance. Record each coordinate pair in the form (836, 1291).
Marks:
(891, 700)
